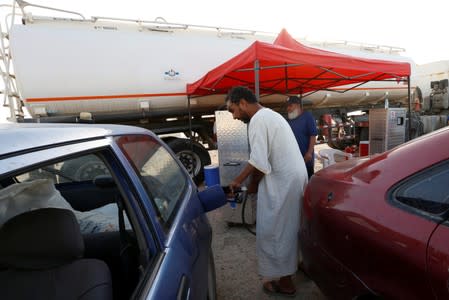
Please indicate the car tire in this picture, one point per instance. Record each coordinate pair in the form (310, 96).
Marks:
(211, 278)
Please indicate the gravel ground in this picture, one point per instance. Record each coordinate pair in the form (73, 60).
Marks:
(236, 265)
(236, 262)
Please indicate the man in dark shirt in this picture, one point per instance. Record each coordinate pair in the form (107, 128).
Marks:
(304, 128)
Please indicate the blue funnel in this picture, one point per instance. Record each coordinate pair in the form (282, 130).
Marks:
(212, 197)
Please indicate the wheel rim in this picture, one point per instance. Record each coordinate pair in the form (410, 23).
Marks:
(191, 161)
(90, 170)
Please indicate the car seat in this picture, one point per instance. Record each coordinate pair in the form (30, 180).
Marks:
(331, 156)
(41, 257)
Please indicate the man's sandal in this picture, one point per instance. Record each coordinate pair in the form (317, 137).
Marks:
(273, 288)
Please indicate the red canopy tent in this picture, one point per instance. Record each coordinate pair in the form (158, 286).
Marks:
(288, 67)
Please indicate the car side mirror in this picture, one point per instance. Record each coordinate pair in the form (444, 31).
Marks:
(212, 197)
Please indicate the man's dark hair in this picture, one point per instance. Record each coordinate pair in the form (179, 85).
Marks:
(240, 92)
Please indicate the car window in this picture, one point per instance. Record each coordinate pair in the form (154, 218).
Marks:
(68, 183)
(83, 168)
(161, 175)
(427, 191)
(92, 189)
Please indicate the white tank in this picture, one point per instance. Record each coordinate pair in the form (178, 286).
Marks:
(64, 67)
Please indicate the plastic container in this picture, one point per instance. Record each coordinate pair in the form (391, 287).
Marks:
(211, 175)
(364, 148)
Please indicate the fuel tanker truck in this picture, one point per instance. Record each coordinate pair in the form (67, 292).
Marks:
(109, 70)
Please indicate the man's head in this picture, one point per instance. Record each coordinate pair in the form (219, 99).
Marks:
(239, 101)
(294, 107)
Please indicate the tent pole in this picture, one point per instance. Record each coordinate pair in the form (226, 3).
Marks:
(256, 79)
(190, 123)
(286, 78)
(409, 109)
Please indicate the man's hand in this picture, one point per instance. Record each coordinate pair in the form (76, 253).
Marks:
(307, 157)
(234, 185)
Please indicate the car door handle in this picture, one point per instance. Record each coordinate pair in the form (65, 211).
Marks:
(184, 289)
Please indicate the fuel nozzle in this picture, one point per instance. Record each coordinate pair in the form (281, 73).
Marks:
(239, 194)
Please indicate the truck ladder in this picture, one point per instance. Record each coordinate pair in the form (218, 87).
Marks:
(10, 93)
(11, 13)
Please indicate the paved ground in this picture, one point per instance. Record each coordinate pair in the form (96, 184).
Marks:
(236, 262)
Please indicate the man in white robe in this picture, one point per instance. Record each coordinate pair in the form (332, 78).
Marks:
(279, 176)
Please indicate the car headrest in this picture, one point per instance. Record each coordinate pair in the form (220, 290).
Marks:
(40, 239)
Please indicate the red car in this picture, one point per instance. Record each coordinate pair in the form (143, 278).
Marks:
(378, 227)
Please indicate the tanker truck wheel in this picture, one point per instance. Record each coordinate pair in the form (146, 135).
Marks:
(194, 161)
(84, 168)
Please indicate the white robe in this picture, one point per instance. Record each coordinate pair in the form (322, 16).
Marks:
(275, 152)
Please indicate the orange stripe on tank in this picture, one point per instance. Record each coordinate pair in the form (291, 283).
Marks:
(81, 98)
(376, 88)
(75, 98)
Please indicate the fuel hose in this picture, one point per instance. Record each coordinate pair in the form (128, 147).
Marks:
(244, 201)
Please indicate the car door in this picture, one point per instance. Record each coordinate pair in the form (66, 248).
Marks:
(180, 271)
(438, 249)
(382, 245)
(438, 261)
(425, 196)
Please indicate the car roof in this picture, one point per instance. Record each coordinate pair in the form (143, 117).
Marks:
(19, 137)
(406, 158)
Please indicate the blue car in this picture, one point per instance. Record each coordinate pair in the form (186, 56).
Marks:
(100, 212)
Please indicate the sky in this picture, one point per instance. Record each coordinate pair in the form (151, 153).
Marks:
(418, 26)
